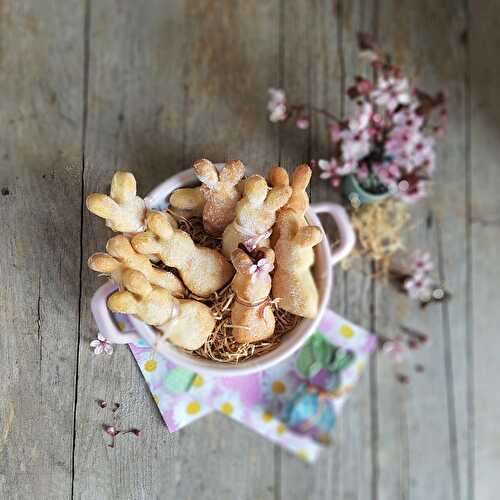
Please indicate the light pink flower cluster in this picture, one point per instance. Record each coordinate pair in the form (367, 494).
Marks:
(387, 142)
(419, 285)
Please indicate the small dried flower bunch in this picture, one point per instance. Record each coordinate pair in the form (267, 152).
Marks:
(417, 281)
(388, 142)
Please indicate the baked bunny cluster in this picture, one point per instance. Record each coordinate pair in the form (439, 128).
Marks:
(163, 276)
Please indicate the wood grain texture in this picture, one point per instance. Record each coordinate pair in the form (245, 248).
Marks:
(151, 86)
(430, 414)
(483, 212)
(40, 204)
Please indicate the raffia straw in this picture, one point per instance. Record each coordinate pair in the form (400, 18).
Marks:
(379, 229)
(221, 345)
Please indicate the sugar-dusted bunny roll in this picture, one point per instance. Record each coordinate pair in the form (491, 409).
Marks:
(203, 270)
(255, 215)
(187, 202)
(186, 323)
(220, 191)
(293, 282)
(122, 256)
(299, 200)
(123, 210)
(251, 313)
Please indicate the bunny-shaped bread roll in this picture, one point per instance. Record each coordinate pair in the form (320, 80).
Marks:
(187, 202)
(186, 323)
(255, 215)
(252, 317)
(122, 256)
(299, 200)
(293, 282)
(203, 270)
(123, 210)
(220, 191)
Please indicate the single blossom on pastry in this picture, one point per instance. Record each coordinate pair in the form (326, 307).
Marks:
(261, 269)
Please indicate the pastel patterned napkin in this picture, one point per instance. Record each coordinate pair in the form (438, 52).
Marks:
(183, 397)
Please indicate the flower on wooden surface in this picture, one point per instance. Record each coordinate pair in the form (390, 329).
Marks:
(101, 345)
(421, 263)
(419, 287)
(277, 105)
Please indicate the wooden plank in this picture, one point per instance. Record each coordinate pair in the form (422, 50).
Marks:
(41, 81)
(169, 83)
(423, 427)
(484, 236)
(319, 57)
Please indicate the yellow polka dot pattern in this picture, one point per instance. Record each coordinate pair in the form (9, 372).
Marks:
(150, 365)
(226, 408)
(278, 387)
(346, 331)
(193, 408)
(198, 381)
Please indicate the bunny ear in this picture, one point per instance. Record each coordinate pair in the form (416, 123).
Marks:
(136, 282)
(207, 173)
(160, 225)
(102, 206)
(146, 243)
(123, 187)
(308, 236)
(232, 172)
(278, 197)
(103, 263)
(241, 261)
(119, 247)
(123, 302)
(187, 198)
(256, 189)
(301, 177)
(278, 176)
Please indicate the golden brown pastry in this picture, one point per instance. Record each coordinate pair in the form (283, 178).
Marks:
(203, 270)
(122, 256)
(186, 323)
(220, 191)
(123, 210)
(187, 202)
(252, 317)
(293, 282)
(299, 200)
(255, 215)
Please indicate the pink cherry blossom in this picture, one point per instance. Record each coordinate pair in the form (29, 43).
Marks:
(421, 263)
(355, 145)
(277, 105)
(419, 288)
(391, 92)
(335, 132)
(411, 189)
(362, 117)
(303, 122)
(101, 344)
(395, 350)
(261, 269)
(331, 170)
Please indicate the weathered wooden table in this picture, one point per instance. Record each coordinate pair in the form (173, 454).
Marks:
(88, 87)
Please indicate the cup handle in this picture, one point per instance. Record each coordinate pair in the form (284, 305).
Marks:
(344, 227)
(105, 322)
